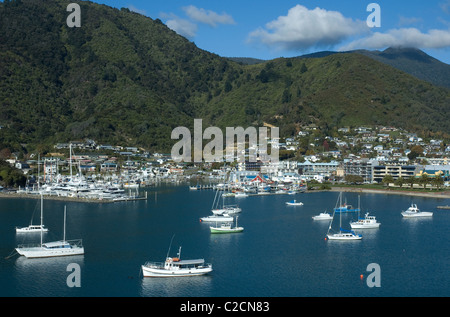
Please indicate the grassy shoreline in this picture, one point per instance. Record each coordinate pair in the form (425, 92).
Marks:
(393, 191)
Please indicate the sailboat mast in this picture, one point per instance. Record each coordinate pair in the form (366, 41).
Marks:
(340, 212)
(64, 234)
(42, 217)
(39, 158)
(70, 148)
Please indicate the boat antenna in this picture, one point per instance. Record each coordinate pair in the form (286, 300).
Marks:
(170, 245)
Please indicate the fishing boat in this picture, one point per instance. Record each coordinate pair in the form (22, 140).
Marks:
(323, 216)
(175, 267)
(342, 234)
(368, 222)
(34, 228)
(226, 228)
(217, 218)
(294, 203)
(414, 211)
(52, 249)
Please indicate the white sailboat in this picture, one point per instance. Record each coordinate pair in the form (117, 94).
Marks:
(226, 209)
(217, 218)
(34, 228)
(52, 249)
(342, 234)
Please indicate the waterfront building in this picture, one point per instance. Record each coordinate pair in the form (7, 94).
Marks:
(311, 170)
(360, 167)
(396, 171)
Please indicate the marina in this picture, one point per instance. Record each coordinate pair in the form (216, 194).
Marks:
(126, 236)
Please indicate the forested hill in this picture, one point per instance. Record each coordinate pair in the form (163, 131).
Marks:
(124, 78)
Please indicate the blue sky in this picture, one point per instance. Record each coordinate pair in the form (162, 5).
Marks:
(269, 29)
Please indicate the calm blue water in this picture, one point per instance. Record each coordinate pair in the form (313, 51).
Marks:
(282, 251)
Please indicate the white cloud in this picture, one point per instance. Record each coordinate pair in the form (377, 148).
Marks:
(207, 16)
(302, 28)
(403, 21)
(134, 9)
(188, 27)
(405, 37)
(182, 26)
(445, 6)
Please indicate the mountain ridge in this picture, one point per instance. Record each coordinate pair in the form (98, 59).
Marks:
(126, 78)
(408, 59)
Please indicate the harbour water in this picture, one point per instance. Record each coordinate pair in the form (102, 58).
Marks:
(282, 252)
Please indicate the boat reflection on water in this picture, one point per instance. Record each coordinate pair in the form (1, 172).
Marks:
(32, 275)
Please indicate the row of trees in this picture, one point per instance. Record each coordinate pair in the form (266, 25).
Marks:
(424, 180)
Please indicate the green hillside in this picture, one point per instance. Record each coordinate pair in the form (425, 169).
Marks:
(124, 78)
(414, 62)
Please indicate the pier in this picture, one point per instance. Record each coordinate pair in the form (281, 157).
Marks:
(82, 199)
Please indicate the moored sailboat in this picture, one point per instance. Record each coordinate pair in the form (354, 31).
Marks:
(226, 228)
(52, 249)
(342, 234)
(34, 228)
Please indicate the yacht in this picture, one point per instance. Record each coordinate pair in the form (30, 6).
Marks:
(217, 218)
(227, 209)
(34, 228)
(175, 267)
(323, 216)
(414, 211)
(52, 249)
(342, 234)
(367, 222)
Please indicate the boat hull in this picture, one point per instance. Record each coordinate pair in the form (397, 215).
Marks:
(216, 219)
(417, 214)
(364, 226)
(161, 272)
(41, 252)
(344, 237)
(27, 230)
(222, 230)
(323, 217)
